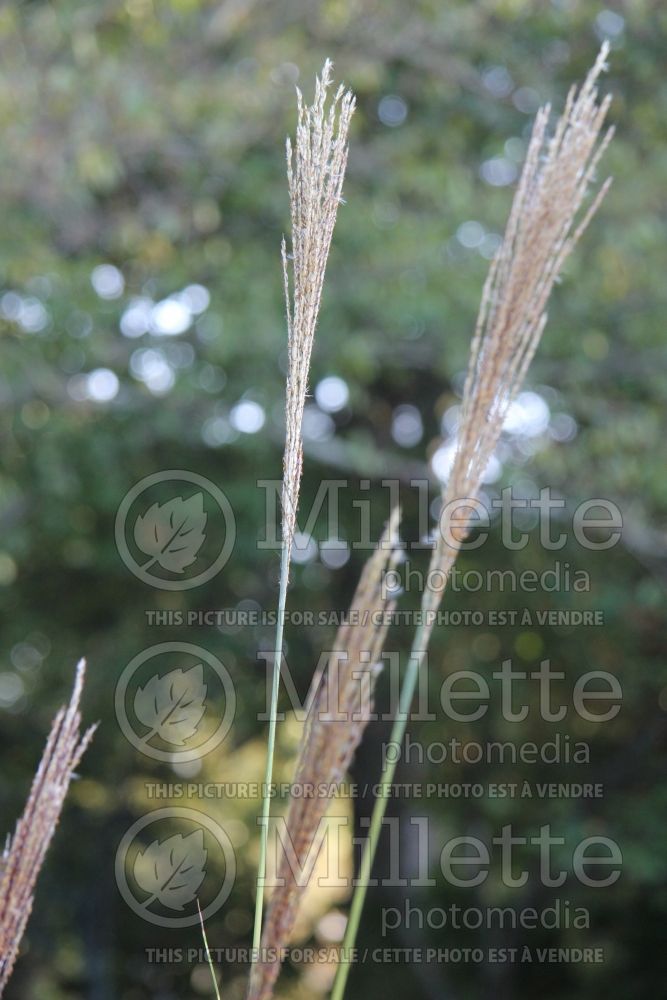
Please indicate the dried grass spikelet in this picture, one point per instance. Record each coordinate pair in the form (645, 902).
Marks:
(315, 172)
(543, 228)
(24, 854)
(340, 702)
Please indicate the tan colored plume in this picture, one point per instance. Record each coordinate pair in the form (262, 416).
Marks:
(543, 228)
(315, 173)
(340, 702)
(24, 855)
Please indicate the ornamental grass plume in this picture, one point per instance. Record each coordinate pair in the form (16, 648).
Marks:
(542, 230)
(24, 855)
(340, 704)
(544, 226)
(315, 173)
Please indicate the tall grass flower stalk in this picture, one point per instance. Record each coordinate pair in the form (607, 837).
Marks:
(315, 172)
(544, 225)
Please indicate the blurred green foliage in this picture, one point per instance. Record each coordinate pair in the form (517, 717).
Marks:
(148, 136)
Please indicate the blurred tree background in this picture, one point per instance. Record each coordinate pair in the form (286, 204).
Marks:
(143, 199)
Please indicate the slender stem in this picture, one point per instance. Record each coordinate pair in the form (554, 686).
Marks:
(268, 775)
(208, 954)
(417, 657)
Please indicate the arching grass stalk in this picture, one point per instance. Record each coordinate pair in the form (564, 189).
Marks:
(315, 173)
(543, 228)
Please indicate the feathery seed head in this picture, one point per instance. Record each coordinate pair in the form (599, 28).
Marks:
(24, 854)
(544, 226)
(315, 171)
